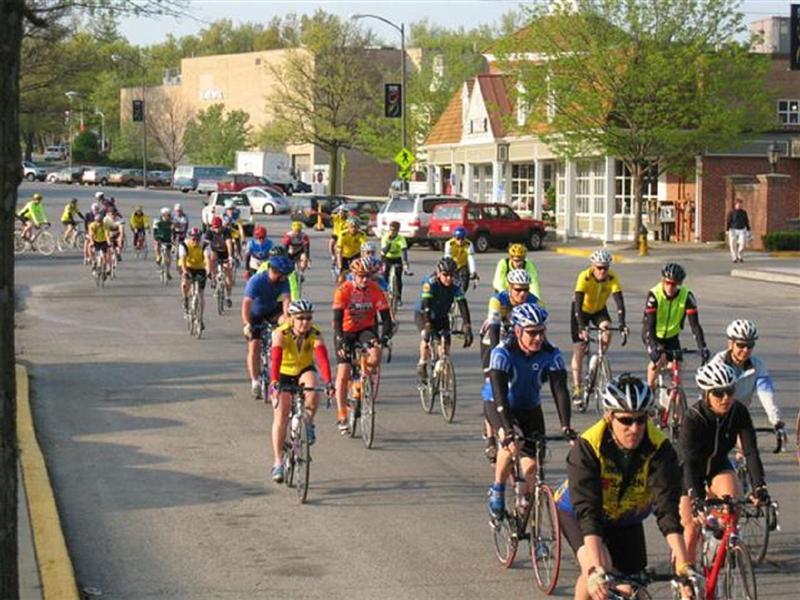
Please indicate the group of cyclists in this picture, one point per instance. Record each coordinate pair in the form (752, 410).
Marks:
(619, 470)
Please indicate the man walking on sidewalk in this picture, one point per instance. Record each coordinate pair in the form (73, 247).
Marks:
(738, 228)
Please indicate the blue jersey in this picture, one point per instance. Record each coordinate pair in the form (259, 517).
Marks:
(259, 250)
(266, 295)
(441, 297)
(526, 372)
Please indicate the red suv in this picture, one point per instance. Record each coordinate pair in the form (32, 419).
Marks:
(486, 224)
(236, 182)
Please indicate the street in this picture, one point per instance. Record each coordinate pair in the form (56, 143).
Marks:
(160, 460)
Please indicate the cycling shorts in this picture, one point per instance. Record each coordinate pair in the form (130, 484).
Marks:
(222, 255)
(259, 325)
(438, 326)
(346, 262)
(350, 339)
(100, 246)
(294, 380)
(69, 222)
(588, 319)
(625, 544)
(529, 421)
(198, 275)
(672, 348)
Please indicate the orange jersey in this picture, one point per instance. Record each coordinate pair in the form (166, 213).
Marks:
(360, 306)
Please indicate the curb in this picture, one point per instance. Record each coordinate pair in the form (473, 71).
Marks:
(785, 254)
(55, 566)
(585, 253)
(770, 276)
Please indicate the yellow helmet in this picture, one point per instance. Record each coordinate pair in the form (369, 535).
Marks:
(37, 196)
(517, 251)
(297, 226)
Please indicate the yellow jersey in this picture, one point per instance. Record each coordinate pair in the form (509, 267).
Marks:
(338, 224)
(139, 221)
(192, 256)
(297, 358)
(596, 292)
(97, 232)
(69, 214)
(350, 244)
(459, 252)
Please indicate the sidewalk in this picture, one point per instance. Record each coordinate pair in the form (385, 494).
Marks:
(30, 588)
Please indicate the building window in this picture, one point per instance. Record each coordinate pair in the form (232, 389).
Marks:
(789, 112)
(623, 189)
(589, 196)
(523, 188)
(481, 183)
(561, 188)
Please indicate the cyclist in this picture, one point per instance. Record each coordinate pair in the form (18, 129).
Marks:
(68, 218)
(394, 252)
(232, 222)
(33, 215)
(592, 289)
(621, 468)
(431, 313)
(708, 433)
(193, 265)
(256, 251)
(338, 225)
(88, 219)
(752, 375)
(518, 367)
(162, 237)
(356, 306)
(219, 250)
(461, 250)
(180, 223)
(297, 353)
(668, 304)
(298, 245)
(98, 241)
(294, 286)
(266, 300)
(139, 224)
(115, 226)
(500, 306)
(516, 259)
(348, 244)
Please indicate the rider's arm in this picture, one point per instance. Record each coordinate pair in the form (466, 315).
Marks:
(499, 280)
(741, 420)
(649, 325)
(766, 391)
(558, 387)
(664, 479)
(276, 356)
(387, 326)
(585, 488)
(471, 259)
(694, 321)
(321, 360)
(534, 273)
(463, 307)
(499, 381)
(577, 304)
(338, 324)
(447, 248)
(692, 452)
(620, 302)
(246, 303)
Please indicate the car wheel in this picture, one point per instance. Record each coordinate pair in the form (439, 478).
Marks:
(482, 243)
(436, 245)
(131, 183)
(104, 182)
(269, 209)
(30, 177)
(534, 240)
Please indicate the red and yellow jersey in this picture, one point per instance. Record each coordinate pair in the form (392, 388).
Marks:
(360, 305)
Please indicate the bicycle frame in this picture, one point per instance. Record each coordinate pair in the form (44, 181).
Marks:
(724, 511)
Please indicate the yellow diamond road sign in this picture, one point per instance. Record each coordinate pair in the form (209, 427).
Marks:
(404, 159)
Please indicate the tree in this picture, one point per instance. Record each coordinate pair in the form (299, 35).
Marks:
(213, 137)
(325, 90)
(85, 147)
(653, 83)
(166, 126)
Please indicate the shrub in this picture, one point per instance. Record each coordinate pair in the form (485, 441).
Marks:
(781, 240)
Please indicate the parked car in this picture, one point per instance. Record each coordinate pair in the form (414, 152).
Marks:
(367, 211)
(31, 172)
(267, 200)
(97, 175)
(65, 175)
(159, 177)
(55, 153)
(187, 177)
(413, 213)
(301, 187)
(487, 225)
(304, 208)
(127, 177)
(216, 206)
(236, 182)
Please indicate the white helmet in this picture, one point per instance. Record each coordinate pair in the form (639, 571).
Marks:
(742, 329)
(95, 207)
(626, 393)
(301, 305)
(369, 247)
(518, 277)
(177, 207)
(715, 374)
(164, 210)
(601, 257)
(99, 195)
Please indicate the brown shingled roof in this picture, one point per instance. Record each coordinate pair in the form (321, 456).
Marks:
(448, 127)
(495, 92)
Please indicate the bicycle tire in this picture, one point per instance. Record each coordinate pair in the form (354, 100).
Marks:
(447, 389)
(19, 243)
(601, 379)
(738, 577)
(545, 540)
(754, 527)
(302, 460)
(45, 243)
(367, 419)
(353, 410)
(505, 544)
(426, 389)
(220, 294)
(288, 461)
(675, 412)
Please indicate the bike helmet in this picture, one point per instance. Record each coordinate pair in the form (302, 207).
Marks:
(459, 233)
(374, 264)
(73, 201)
(177, 207)
(297, 226)
(260, 232)
(369, 248)
(518, 277)
(517, 251)
(300, 306)
(353, 221)
(282, 264)
(601, 257)
(715, 374)
(99, 195)
(626, 393)
(674, 272)
(164, 211)
(528, 315)
(37, 196)
(359, 266)
(216, 222)
(137, 210)
(446, 265)
(195, 233)
(277, 250)
(742, 329)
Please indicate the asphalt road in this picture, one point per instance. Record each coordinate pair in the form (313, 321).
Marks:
(160, 460)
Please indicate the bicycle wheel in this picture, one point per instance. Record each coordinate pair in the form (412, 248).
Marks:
(367, 419)
(545, 540)
(675, 412)
(601, 379)
(289, 463)
(19, 243)
(738, 578)
(302, 460)
(220, 299)
(755, 524)
(353, 409)
(46, 243)
(426, 389)
(447, 388)
(505, 542)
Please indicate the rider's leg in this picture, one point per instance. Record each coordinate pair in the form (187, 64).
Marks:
(280, 418)
(308, 379)
(252, 360)
(605, 336)
(578, 351)
(342, 381)
(653, 369)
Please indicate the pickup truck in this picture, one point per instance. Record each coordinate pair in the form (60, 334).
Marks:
(216, 207)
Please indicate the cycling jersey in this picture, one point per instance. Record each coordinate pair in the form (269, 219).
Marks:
(295, 360)
(257, 252)
(297, 243)
(500, 281)
(265, 294)
(607, 486)
(437, 298)
(35, 212)
(500, 305)
(69, 214)
(360, 306)
(753, 378)
(462, 252)
(595, 292)
(350, 244)
(338, 224)
(180, 224)
(139, 221)
(97, 232)
(393, 247)
(664, 317)
(112, 225)
(162, 231)
(191, 255)
(216, 241)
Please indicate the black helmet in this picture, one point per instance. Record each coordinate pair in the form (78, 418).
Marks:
(446, 265)
(674, 272)
(277, 250)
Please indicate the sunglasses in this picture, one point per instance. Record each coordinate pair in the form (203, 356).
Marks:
(534, 333)
(304, 318)
(519, 289)
(721, 392)
(446, 274)
(629, 421)
(743, 345)
(670, 282)
(601, 267)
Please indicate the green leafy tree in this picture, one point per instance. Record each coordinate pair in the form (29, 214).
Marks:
(85, 147)
(652, 83)
(213, 137)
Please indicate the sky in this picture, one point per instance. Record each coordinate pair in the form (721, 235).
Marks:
(451, 13)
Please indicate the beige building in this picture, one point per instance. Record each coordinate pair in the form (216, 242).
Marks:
(244, 82)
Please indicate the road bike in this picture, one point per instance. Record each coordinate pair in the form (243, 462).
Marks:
(393, 273)
(99, 268)
(757, 520)
(140, 243)
(220, 289)
(530, 515)
(194, 316)
(362, 394)
(671, 397)
(41, 241)
(634, 587)
(441, 381)
(597, 372)
(166, 258)
(296, 447)
(73, 241)
(264, 358)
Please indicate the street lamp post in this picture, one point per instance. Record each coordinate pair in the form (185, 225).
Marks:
(140, 65)
(102, 129)
(71, 95)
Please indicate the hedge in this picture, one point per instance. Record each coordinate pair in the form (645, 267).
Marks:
(781, 240)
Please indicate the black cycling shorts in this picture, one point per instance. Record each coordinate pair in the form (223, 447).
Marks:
(100, 246)
(259, 324)
(530, 422)
(672, 348)
(69, 222)
(441, 327)
(198, 275)
(293, 380)
(588, 318)
(222, 255)
(349, 340)
(625, 544)
(346, 260)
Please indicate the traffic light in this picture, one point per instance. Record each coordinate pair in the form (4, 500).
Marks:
(393, 100)
(138, 110)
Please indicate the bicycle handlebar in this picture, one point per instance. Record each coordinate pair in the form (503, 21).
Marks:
(299, 389)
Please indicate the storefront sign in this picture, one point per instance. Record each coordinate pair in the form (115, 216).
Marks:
(211, 95)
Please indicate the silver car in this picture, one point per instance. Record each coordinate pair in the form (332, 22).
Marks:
(266, 200)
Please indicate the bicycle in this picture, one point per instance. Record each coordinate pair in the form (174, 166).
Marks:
(597, 373)
(296, 449)
(441, 381)
(220, 288)
(671, 398)
(362, 394)
(194, 318)
(394, 276)
(140, 243)
(99, 270)
(758, 520)
(74, 241)
(42, 241)
(637, 585)
(166, 258)
(724, 555)
(531, 516)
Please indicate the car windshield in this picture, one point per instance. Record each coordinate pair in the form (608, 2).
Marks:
(448, 213)
(238, 199)
(400, 205)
